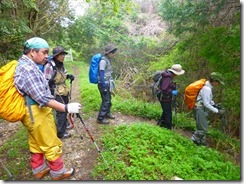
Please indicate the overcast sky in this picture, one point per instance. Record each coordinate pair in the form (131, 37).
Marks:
(79, 5)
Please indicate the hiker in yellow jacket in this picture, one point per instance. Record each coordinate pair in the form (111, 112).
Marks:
(44, 144)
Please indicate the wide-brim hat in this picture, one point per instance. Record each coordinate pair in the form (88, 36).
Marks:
(58, 50)
(177, 69)
(218, 77)
(109, 48)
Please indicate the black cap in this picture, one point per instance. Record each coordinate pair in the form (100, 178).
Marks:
(58, 50)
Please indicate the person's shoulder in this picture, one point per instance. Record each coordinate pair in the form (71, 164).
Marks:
(166, 74)
(103, 61)
(206, 88)
(50, 63)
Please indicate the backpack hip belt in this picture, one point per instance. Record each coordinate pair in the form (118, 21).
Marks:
(199, 104)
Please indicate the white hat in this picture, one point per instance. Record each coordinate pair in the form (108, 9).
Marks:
(177, 69)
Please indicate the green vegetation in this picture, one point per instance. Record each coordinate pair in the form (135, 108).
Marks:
(146, 152)
(151, 35)
(90, 98)
(15, 151)
(141, 151)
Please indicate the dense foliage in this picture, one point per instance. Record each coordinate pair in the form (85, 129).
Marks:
(145, 152)
(151, 35)
(41, 18)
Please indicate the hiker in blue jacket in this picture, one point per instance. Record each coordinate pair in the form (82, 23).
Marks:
(168, 89)
(106, 84)
(203, 105)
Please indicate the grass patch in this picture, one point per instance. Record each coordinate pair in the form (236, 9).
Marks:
(126, 104)
(144, 152)
(15, 155)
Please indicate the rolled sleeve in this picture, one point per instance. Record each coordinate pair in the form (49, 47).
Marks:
(102, 65)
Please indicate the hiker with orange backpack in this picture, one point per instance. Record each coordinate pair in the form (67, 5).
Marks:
(203, 105)
(165, 96)
(44, 145)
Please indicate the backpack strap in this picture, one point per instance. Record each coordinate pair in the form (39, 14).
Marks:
(51, 80)
(28, 103)
(54, 68)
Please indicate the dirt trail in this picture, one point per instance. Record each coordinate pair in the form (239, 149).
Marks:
(77, 152)
(82, 153)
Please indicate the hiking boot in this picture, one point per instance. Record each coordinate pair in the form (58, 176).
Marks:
(102, 121)
(66, 135)
(204, 144)
(65, 175)
(195, 142)
(42, 173)
(69, 127)
(110, 116)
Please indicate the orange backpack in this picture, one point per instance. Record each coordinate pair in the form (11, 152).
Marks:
(192, 91)
(12, 103)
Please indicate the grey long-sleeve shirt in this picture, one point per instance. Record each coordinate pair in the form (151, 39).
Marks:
(205, 97)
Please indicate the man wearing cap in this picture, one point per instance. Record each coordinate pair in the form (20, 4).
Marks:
(44, 145)
(168, 89)
(56, 74)
(204, 103)
(106, 84)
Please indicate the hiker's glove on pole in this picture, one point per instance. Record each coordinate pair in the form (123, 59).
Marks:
(175, 92)
(73, 107)
(221, 111)
(71, 77)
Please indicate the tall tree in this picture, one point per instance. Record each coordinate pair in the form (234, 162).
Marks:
(29, 18)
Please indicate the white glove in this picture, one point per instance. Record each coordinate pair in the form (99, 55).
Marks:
(73, 107)
(222, 111)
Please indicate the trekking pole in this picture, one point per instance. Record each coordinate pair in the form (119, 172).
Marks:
(222, 117)
(70, 89)
(6, 169)
(84, 125)
(175, 107)
(71, 121)
(223, 123)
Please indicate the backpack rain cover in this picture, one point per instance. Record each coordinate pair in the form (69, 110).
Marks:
(94, 67)
(192, 91)
(12, 103)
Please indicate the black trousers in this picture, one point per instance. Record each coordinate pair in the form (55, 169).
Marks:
(166, 117)
(106, 102)
(61, 116)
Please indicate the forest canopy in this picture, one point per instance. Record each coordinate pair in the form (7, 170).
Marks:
(202, 36)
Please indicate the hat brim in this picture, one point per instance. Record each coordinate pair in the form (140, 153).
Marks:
(60, 53)
(177, 73)
(111, 50)
(221, 82)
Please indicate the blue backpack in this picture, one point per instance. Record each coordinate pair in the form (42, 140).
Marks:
(94, 67)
